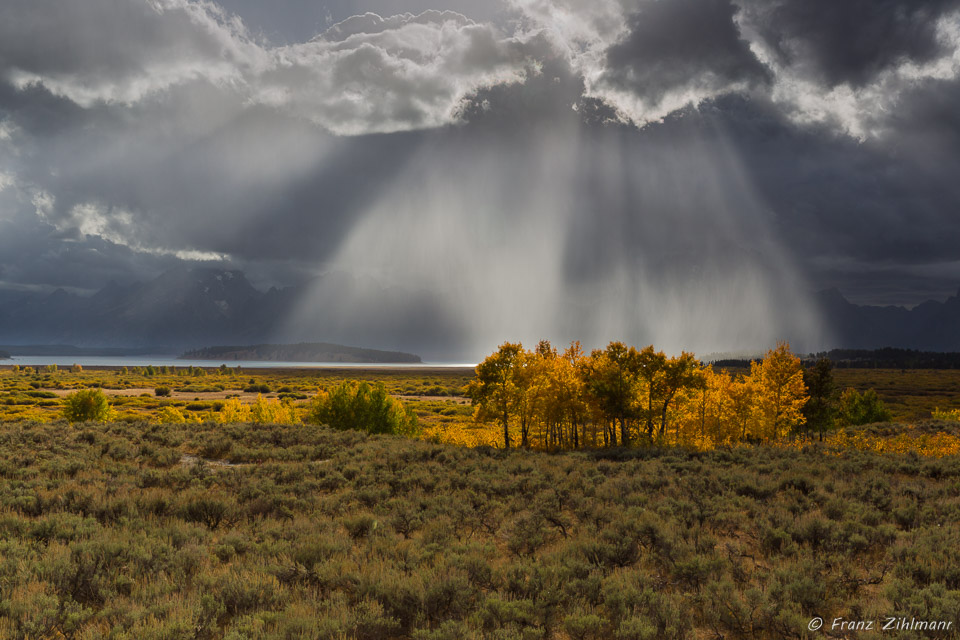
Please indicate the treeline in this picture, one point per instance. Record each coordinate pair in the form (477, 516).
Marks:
(890, 358)
(622, 396)
(886, 358)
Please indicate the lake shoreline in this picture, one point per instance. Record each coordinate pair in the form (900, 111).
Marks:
(115, 363)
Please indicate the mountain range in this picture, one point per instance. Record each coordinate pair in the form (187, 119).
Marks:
(187, 309)
(302, 352)
(930, 326)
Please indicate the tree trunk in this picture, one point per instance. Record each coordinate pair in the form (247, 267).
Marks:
(650, 411)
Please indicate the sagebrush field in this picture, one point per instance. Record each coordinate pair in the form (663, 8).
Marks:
(137, 530)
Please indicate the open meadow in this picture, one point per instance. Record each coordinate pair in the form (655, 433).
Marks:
(435, 395)
(198, 394)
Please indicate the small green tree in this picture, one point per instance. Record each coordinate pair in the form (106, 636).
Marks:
(364, 408)
(821, 406)
(87, 405)
(494, 392)
(856, 408)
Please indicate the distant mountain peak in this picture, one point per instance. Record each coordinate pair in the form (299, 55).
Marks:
(58, 294)
(929, 326)
(832, 296)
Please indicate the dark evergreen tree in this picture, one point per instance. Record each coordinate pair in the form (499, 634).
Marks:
(820, 409)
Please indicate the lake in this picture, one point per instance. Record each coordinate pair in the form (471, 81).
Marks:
(173, 361)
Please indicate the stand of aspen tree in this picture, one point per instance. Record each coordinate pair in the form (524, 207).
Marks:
(622, 396)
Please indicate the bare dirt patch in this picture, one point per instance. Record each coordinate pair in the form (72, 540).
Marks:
(175, 395)
(189, 460)
(453, 399)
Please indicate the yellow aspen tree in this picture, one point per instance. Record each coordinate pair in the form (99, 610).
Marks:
(681, 372)
(650, 370)
(780, 392)
(584, 366)
(686, 417)
(541, 391)
(611, 380)
(722, 420)
(742, 414)
(272, 411)
(527, 375)
(572, 392)
(234, 411)
(706, 408)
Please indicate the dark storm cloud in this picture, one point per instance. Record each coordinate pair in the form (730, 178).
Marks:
(117, 49)
(135, 135)
(850, 41)
(265, 187)
(926, 121)
(35, 253)
(552, 92)
(78, 30)
(872, 212)
(682, 45)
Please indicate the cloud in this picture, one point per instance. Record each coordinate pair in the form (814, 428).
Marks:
(120, 51)
(855, 212)
(371, 24)
(677, 53)
(579, 26)
(371, 74)
(850, 42)
(366, 74)
(849, 64)
(843, 64)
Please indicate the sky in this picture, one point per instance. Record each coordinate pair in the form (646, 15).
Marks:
(681, 171)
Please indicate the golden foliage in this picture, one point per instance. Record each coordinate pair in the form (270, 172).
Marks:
(910, 440)
(951, 415)
(621, 395)
(173, 415)
(273, 411)
(780, 393)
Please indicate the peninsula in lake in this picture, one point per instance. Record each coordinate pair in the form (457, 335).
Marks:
(302, 352)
